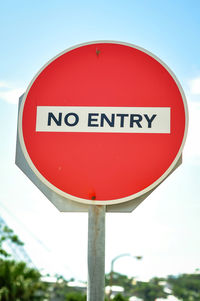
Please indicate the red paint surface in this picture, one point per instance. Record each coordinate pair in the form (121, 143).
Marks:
(105, 165)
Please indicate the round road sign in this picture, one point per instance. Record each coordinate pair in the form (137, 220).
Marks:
(103, 122)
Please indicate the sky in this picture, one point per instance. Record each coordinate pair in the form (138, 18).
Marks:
(164, 228)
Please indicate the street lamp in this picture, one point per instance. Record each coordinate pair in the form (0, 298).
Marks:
(112, 268)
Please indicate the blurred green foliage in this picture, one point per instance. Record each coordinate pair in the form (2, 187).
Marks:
(7, 234)
(186, 287)
(75, 296)
(149, 291)
(119, 297)
(18, 282)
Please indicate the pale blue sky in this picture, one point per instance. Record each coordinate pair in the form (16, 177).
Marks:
(164, 229)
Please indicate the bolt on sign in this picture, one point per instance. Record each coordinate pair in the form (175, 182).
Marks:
(102, 123)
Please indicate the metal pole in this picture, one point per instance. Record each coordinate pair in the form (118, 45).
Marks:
(96, 253)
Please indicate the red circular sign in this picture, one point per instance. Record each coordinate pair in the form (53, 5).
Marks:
(103, 122)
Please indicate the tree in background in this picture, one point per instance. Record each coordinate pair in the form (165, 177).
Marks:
(75, 296)
(120, 280)
(18, 282)
(186, 287)
(149, 291)
(119, 297)
(7, 234)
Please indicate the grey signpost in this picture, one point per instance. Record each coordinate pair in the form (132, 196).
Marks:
(96, 253)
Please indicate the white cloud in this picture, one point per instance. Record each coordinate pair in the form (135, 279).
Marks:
(9, 93)
(195, 86)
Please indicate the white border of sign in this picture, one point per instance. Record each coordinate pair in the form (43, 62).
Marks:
(106, 202)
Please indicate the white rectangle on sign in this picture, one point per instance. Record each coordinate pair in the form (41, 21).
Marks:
(103, 119)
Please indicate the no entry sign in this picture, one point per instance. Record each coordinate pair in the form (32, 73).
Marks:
(103, 123)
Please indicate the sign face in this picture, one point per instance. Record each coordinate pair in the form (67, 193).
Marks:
(103, 122)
